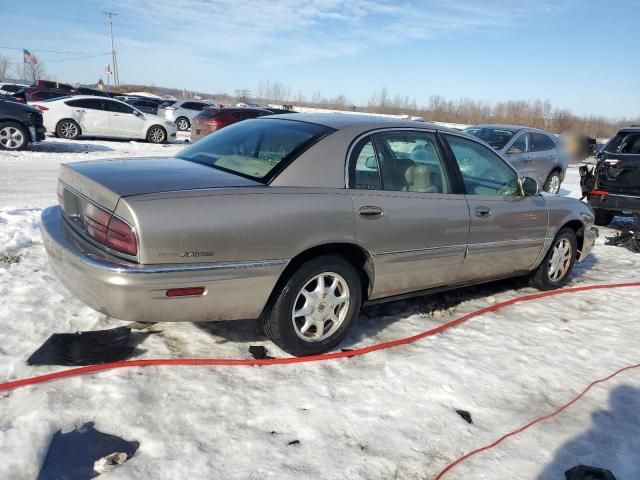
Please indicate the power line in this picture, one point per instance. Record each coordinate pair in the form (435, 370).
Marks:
(47, 51)
(116, 79)
(69, 59)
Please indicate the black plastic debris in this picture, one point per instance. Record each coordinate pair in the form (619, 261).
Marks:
(259, 352)
(465, 415)
(84, 348)
(629, 239)
(84, 453)
(582, 472)
(294, 442)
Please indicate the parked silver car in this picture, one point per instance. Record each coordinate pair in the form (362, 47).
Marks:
(181, 112)
(534, 153)
(299, 221)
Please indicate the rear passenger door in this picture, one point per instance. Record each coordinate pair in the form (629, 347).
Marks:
(508, 229)
(90, 115)
(545, 157)
(408, 210)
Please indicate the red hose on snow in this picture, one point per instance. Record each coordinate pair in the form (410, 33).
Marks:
(73, 372)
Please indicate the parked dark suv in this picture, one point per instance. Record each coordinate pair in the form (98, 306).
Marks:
(19, 125)
(612, 187)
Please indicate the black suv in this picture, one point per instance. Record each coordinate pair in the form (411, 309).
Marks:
(612, 187)
(19, 125)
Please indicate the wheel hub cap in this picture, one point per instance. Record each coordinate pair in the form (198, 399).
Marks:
(321, 307)
(560, 260)
(11, 137)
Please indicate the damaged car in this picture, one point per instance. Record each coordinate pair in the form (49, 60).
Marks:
(612, 186)
(300, 220)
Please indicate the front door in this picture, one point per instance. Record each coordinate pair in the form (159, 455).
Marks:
(507, 228)
(520, 155)
(406, 211)
(125, 121)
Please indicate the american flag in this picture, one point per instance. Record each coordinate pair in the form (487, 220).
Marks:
(29, 57)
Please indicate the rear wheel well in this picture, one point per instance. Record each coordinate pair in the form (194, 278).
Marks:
(69, 120)
(578, 228)
(355, 255)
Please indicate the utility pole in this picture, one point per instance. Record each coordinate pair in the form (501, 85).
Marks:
(116, 78)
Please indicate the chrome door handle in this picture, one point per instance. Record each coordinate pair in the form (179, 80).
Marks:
(370, 212)
(81, 111)
(483, 212)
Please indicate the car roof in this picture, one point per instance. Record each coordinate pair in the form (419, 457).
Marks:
(339, 121)
(630, 129)
(515, 128)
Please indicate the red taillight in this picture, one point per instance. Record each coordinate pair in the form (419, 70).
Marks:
(598, 192)
(41, 107)
(185, 292)
(110, 231)
(121, 237)
(213, 123)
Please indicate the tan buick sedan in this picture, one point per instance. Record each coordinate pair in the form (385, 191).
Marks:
(298, 220)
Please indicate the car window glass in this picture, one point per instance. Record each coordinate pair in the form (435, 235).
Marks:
(411, 162)
(366, 174)
(541, 142)
(496, 137)
(90, 103)
(118, 107)
(483, 171)
(235, 115)
(625, 143)
(250, 115)
(521, 145)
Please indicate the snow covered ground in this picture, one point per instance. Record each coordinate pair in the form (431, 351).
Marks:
(386, 415)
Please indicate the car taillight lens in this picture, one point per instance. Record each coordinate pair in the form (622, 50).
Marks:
(213, 123)
(110, 231)
(41, 107)
(121, 237)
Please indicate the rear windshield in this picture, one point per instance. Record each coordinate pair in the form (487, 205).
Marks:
(496, 137)
(254, 148)
(625, 142)
(208, 113)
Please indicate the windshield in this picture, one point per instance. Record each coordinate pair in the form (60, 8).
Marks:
(496, 137)
(254, 148)
(625, 142)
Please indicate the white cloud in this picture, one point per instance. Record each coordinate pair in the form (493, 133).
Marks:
(291, 31)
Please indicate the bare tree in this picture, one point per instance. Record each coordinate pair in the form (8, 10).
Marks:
(31, 71)
(242, 94)
(4, 67)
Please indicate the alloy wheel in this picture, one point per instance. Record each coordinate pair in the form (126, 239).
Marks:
(560, 260)
(11, 138)
(553, 186)
(156, 135)
(321, 307)
(182, 124)
(68, 130)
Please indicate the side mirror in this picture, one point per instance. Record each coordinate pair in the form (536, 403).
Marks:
(514, 151)
(371, 163)
(137, 113)
(530, 187)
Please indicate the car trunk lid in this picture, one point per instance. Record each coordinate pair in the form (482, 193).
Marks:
(105, 181)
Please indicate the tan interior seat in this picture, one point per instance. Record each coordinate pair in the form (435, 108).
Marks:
(418, 178)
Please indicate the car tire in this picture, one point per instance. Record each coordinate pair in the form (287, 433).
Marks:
(13, 136)
(183, 124)
(68, 129)
(156, 134)
(552, 185)
(555, 269)
(603, 217)
(332, 306)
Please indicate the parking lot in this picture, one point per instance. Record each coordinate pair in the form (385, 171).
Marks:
(387, 414)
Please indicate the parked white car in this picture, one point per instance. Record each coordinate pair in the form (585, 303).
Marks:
(181, 112)
(71, 117)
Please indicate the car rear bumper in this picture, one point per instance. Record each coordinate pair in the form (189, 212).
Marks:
(133, 292)
(615, 202)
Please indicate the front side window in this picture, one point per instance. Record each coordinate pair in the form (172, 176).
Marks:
(483, 171)
(411, 162)
(521, 145)
(255, 148)
(118, 107)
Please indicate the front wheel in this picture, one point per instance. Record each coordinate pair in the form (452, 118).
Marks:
(315, 308)
(557, 265)
(156, 134)
(552, 185)
(13, 136)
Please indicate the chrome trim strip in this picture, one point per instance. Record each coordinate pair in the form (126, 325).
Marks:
(509, 242)
(112, 267)
(416, 250)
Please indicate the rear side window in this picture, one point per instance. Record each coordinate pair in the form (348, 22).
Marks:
(625, 142)
(193, 105)
(541, 142)
(90, 103)
(166, 104)
(208, 113)
(255, 148)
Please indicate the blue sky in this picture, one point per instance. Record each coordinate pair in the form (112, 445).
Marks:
(578, 54)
